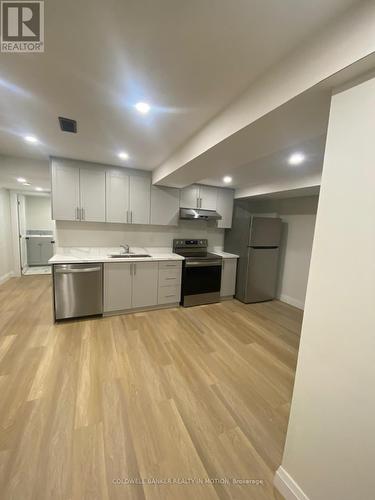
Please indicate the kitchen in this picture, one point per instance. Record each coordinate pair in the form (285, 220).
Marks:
(175, 321)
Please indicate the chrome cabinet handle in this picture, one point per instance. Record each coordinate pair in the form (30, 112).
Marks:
(77, 213)
(83, 214)
(131, 216)
(135, 269)
(127, 216)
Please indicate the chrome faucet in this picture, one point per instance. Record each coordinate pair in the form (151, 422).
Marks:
(125, 247)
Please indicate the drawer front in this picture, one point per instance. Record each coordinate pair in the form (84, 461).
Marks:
(169, 277)
(170, 264)
(169, 294)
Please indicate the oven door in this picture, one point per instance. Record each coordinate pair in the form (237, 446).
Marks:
(201, 281)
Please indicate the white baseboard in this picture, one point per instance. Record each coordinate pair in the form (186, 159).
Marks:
(286, 485)
(292, 301)
(5, 277)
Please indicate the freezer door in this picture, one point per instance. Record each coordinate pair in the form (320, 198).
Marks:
(262, 274)
(265, 232)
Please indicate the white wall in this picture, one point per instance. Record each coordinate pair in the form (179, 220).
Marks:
(6, 254)
(85, 234)
(330, 445)
(298, 216)
(38, 213)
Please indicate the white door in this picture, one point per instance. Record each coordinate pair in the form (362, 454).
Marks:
(225, 207)
(145, 284)
(208, 197)
(140, 197)
(165, 203)
(65, 192)
(22, 231)
(117, 286)
(189, 196)
(92, 191)
(117, 197)
(228, 277)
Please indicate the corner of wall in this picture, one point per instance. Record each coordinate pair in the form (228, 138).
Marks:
(286, 485)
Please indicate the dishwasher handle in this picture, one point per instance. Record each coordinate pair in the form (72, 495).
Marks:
(73, 271)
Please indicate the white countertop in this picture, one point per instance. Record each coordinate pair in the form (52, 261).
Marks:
(225, 255)
(78, 255)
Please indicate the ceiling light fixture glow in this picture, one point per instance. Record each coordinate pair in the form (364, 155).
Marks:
(143, 107)
(21, 179)
(296, 158)
(123, 155)
(26, 184)
(32, 139)
(227, 179)
(38, 189)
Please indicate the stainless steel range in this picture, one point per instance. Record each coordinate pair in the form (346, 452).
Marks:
(201, 272)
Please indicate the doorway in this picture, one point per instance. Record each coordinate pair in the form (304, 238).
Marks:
(36, 233)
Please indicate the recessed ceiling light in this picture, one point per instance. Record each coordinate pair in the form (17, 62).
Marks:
(26, 184)
(296, 158)
(143, 107)
(123, 155)
(32, 139)
(227, 179)
(21, 179)
(38, 189)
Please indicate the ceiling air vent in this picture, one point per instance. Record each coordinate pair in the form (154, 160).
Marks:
(68, 125)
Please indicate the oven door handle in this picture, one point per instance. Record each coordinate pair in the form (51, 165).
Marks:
(202, 263)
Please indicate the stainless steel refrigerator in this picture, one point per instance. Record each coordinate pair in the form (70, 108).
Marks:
(257, 241)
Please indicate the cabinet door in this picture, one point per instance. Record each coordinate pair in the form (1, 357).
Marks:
(46, 251)
(92, 194)
(33, 252)
(189, 196)
(165, 204)
(225, 207)
(65, 192)
(228, 277)
(140, 197)
(208, 197)
(117, 286)
(117, 197)
(145, 284)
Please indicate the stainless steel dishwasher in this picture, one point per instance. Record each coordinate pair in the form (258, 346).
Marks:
(78, 290)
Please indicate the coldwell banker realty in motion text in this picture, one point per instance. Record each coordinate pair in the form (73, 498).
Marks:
(22, 26)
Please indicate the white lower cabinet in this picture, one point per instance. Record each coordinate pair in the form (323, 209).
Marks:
(117, 286)
(169, 289)
(145, 284)
(131, 285)
(228, 277)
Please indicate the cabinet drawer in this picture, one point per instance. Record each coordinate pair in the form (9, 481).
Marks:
(169, 277)
(169, 294)
(170, 264)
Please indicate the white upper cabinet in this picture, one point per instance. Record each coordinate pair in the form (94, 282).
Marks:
(65, 192)
(225, 207)
(196, 196)
(145, 284)
(189, 197)
(207, 197)
(117, 196)
(92, 193)
(165, 203)
(140, 196)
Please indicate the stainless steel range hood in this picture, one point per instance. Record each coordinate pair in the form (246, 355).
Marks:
(199, 214)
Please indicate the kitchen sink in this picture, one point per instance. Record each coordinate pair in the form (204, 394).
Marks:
(127, 255)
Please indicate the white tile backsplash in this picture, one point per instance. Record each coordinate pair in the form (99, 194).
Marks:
(99, 234)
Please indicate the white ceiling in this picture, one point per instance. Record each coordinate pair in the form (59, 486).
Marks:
(35, 171)
(189, 59)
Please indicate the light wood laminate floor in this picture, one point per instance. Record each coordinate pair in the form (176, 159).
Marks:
(175, 394)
